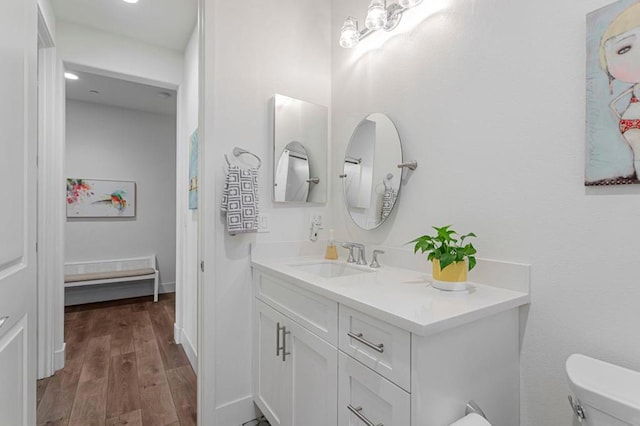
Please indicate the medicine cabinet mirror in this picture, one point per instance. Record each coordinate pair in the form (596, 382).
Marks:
(300, 151)
(371, 177)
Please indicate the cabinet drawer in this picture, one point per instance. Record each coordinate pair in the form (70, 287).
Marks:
(380, 346)
(317, 314)
(364, 395)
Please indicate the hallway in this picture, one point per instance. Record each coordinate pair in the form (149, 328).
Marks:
(122, 367)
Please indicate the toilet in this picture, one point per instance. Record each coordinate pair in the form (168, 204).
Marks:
(603, 394)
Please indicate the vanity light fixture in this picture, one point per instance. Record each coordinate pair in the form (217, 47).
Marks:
(376, 15)
(409, 3)
(379, 16)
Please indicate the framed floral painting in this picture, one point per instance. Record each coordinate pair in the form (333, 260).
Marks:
(100, 198)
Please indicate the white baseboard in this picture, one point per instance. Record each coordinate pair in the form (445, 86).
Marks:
(113, 291)
(59, 357)
(189, 348)
(236, 412)
(177, 334)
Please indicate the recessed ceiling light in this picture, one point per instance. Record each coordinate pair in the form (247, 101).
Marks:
(70, 76)
(130, 1)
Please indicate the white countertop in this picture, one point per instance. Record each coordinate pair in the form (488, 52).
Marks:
(398, 296)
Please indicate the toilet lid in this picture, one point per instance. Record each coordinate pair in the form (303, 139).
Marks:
(609, 388)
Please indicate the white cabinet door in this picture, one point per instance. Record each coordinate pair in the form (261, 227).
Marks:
(314, 375)
(301, 386)
(272, 383)
(365, 397)
(18, 131)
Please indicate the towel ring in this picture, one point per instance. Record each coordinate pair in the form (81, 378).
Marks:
(237, 152)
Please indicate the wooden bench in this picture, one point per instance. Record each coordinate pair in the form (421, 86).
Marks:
(96, 272)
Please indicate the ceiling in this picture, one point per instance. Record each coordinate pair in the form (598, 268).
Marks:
(164, 23)
(120, 93)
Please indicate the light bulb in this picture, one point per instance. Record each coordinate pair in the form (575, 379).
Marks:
(409, 3)
(377, 15)
(349, 35)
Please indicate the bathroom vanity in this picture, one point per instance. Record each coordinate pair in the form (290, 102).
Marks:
(339, 344)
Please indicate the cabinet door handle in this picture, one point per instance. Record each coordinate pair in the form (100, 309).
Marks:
(359, 337)
(278, 339)
(3, 320)
(282, 348)
(284, 344)
(357, 411)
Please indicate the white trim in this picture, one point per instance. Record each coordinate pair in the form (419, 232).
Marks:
(181, 338)
(167, 287)
(59, 356)
(180, 218)
(45, 37)
(206, 293)
(50, 318)
(230, 412)
(120, 76)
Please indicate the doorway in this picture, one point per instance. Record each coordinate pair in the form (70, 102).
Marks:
(86, 47)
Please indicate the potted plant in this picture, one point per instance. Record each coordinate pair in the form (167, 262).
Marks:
(450, 255)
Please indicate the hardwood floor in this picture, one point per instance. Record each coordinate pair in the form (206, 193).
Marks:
(122, 368)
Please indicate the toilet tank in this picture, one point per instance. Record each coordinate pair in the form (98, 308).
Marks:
(609, 394)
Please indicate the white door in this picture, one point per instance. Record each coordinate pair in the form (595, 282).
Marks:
(272, 387)
(314, 378)
(18, 135)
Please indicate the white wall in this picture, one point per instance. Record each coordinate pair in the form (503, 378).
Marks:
(104, 142)
(118, 56)
(253, 50)
(488, 97)
(187, 233)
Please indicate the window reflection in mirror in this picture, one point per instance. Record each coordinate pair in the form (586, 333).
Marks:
(300, 151)
(371, 178)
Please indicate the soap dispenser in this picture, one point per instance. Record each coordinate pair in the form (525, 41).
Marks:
(332, 251)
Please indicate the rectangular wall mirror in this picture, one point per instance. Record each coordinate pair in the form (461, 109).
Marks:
(299, 151)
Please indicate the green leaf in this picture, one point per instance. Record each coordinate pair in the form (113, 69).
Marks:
(472, 262)
(446, 260)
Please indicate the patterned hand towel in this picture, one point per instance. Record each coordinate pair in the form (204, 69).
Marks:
(240, 200)
(388, 200)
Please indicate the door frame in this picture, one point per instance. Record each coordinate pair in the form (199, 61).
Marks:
(52, 207)
(50, 216)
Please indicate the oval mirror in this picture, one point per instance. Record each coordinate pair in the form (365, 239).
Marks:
(371, 178)
(292, 174)
(300, 151)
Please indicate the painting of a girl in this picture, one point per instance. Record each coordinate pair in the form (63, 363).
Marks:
(613, 95)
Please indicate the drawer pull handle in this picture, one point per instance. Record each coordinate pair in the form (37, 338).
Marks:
(3, 320)
(359, 338)
(357, 411)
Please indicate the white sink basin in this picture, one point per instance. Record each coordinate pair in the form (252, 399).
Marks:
(331, 269)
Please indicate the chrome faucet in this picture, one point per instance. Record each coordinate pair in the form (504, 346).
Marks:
(362, 255)
(362, 260)
(374, 261)
(350, 246)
